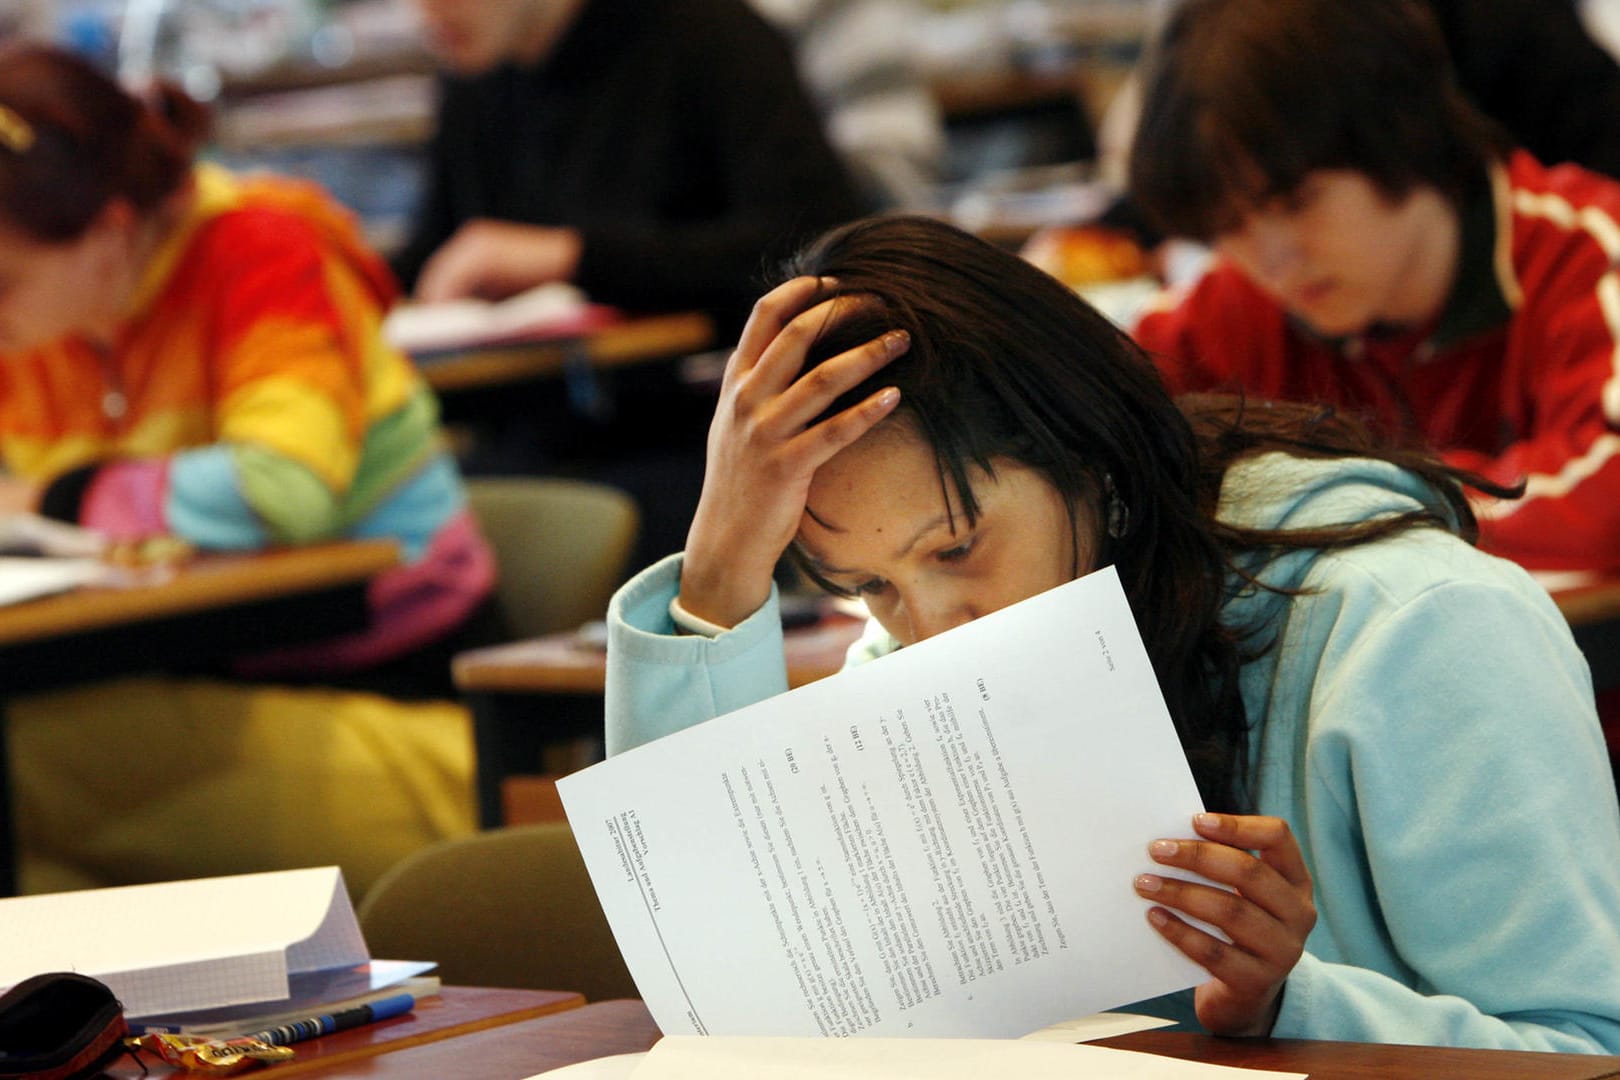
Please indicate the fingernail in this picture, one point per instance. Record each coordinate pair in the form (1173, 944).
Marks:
(896, 341)
(1148, 883)
(1158, 918)
(1207, 821)
(1163, 849)
(887, 399)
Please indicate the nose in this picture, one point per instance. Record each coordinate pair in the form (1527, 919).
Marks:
(931, 612)
(1270, 247)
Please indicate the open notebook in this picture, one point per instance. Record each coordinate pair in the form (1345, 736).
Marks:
(554, 310)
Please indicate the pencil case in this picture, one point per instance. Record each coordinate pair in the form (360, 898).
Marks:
(59, 1026)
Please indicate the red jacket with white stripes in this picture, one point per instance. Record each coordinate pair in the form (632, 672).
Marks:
(1519, 377)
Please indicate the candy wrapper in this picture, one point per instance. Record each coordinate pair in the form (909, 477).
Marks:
(212, 1057)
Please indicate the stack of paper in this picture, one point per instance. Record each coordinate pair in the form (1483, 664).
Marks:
(206, 950)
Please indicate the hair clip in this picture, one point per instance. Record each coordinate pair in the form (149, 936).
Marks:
(16, 133)
(1118, 514)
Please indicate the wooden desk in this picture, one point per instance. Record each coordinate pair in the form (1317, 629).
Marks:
(636, 340)
(513, 1051)
(457, 1014)
(522, 1049)
(214, 607)
(548, 690)
(562, 664)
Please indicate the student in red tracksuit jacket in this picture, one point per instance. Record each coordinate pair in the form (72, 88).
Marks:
(1384, 250)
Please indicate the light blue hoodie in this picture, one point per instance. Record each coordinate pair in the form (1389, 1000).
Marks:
(1424, 723)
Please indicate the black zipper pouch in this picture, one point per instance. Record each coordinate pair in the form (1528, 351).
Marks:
(59, 1026)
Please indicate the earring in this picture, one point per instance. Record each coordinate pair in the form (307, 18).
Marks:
(1117, 514)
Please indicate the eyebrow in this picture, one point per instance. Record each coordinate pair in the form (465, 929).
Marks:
(825, 568)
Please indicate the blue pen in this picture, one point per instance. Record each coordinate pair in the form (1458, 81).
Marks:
(315, 1026)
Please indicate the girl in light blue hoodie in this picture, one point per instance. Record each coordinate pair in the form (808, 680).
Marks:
(1411, 807)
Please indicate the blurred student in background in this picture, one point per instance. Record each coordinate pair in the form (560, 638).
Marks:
(650, 151)
(858, 60)
(191, 354)
(655, 153)
(1384, 248)
(1536, 69)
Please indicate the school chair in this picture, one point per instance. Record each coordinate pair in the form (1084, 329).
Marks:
(508, 907)
(561, 547)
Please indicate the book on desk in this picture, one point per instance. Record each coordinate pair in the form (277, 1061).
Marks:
(216, 954)
(546, 312)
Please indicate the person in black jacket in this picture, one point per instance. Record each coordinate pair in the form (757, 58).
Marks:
(657, 153)
(1532, 66)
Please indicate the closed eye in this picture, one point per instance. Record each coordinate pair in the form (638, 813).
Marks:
(957, 553)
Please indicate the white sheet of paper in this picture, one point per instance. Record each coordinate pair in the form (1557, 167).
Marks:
(941, 842)
(33, 535)
(689, 1058)
(183, 945)
(1103, 1025)
(25, 577)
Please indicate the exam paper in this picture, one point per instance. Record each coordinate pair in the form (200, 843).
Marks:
(941, 842)
(688, 1058)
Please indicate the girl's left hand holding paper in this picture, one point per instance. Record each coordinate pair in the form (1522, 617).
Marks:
(1266, 911)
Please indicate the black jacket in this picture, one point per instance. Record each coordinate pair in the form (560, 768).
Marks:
(672, 133)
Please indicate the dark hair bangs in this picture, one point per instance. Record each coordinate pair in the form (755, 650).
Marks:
(983, 383)
(1243, 98)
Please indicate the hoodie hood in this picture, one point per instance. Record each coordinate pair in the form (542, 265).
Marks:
(1283, 492)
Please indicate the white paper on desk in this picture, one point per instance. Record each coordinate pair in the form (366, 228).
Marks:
(184, 945)
(1103, 1025)
(553, 308)
(25, 577)
(35, 535)
(689, 1058)
(940, 842)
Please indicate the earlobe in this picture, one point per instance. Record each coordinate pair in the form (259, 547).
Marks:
(117, 218)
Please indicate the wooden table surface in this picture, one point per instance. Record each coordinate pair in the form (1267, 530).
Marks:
(564, 664)
(456, 1013)
(517, 1050)
(210, 608)
(513, 1051)
(206, 583)
(635, 340)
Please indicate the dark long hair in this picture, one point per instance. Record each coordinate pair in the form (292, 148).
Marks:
(1241, 99)
(72, 140)
(1006, 363)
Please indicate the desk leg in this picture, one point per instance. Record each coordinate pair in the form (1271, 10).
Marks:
(1600, 642)
(511, 733)
(8, 816)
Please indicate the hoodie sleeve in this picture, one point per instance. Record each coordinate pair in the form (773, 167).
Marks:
(1453, 796)
(659, 682)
